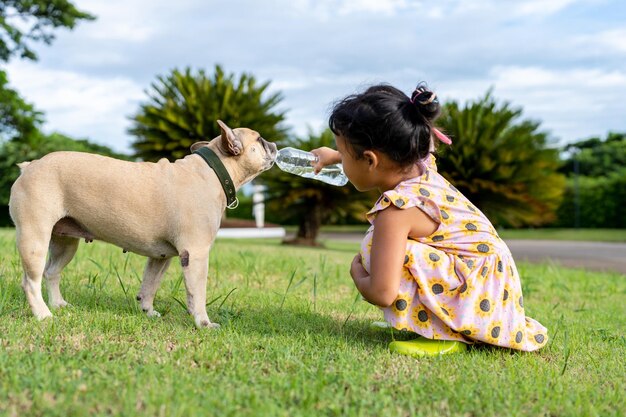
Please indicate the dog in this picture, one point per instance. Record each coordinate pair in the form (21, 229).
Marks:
(160, 210)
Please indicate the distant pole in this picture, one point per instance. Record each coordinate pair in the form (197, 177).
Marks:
(258, 205)
(576, 192)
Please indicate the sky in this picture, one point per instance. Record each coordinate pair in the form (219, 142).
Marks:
(562, 61)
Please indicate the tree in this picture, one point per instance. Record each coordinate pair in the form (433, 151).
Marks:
(596, 157)
(311, 203)
(183, 109)
(26, 21)
(502, 164)
(18, 119)
(23, 22)
(595, 195)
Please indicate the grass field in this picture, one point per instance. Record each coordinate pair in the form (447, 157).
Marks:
(295, 341)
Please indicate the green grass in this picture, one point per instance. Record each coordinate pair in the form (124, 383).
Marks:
(593, 235)
(294, 341)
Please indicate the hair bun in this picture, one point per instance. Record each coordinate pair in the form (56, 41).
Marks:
(426, 102)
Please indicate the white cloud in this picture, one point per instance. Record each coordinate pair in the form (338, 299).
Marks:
(119, 20)
(79, 105)
(324, 9)
(386, 7)
(572, 103)
(540, 7)
(614, 40)
(578, 80)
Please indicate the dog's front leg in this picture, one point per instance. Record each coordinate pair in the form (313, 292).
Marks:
(195, 265)
(152, 275)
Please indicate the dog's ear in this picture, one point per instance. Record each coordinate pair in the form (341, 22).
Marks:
(230, 143)
(198, 145)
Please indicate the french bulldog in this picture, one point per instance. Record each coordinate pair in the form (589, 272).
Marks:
(160, 210)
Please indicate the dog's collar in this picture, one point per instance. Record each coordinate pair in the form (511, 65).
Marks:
(216, 164)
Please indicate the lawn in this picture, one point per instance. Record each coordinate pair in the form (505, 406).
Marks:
(591, 235)
(295, 341)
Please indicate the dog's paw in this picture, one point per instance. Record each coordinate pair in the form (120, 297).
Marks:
(59, 304)
(43, 315)
(153, 313)
(205, 323)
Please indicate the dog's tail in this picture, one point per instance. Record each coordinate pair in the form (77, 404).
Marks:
(23, 165)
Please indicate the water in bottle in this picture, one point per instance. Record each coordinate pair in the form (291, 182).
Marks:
(299, 162)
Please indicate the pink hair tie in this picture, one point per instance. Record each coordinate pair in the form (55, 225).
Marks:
(441, 136)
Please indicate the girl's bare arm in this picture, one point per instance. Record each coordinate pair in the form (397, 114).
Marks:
(392, 227)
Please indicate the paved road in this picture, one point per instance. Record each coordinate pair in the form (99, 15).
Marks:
(596, 256)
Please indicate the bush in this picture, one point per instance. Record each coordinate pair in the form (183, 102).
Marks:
(601, 202)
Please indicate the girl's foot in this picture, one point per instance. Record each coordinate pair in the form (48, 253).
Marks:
(426, 347)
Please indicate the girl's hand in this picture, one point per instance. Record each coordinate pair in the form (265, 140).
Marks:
(359, 275)
(325, 156)
(357, 271)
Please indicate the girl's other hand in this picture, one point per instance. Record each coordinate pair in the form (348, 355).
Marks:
(357, 271)
(325, 156)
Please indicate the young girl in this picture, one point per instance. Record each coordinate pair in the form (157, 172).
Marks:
(431, 259)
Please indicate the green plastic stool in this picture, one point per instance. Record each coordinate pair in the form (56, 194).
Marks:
(427, 347)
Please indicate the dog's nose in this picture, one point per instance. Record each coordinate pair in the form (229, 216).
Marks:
(271, 148)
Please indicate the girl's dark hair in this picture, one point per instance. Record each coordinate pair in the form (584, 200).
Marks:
(385, 119)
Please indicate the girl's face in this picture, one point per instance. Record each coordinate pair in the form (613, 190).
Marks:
(357, 170)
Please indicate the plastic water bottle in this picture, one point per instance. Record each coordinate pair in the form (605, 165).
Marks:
(299, 162)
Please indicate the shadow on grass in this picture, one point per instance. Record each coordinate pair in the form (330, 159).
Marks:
(293, 321)
(297, 322)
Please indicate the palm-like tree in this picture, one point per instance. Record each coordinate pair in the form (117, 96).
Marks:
(311, 203)
(183, 108)
(502, 164)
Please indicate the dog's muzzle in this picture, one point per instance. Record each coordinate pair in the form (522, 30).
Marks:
(270, 150)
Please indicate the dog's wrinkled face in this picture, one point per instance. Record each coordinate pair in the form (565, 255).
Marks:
(252, 153)
(257, 153)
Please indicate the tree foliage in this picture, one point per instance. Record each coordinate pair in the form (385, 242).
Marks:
(311, 203)
(23, 22)
(596, 202)
(596, 157)
(183, 108)
(595, 195)
(501, 163)
(18, 119)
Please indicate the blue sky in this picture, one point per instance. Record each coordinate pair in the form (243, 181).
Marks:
(562, 61)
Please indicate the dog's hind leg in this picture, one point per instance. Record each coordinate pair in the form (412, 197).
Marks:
(195, 269)
(32, 244)
(62, 250)
(152, 275)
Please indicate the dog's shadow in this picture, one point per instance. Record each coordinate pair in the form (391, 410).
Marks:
(299, 321)
(278, 322)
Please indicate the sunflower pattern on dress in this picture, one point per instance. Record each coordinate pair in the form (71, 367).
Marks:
(459, 283)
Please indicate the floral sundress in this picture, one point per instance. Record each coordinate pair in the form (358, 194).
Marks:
(459, 283)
